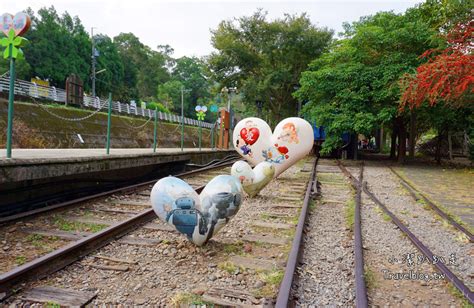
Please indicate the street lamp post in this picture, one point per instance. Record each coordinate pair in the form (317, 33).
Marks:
(226, 91)
(93, 62)
(182, 118)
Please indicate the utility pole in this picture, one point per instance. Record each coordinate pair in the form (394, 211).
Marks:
(182, 117)
(93, 62)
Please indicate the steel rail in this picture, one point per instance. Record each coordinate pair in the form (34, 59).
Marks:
(283, 299)
(433, 206)
(214, 161)
(360, 286)
(418, 244)
(133, 187)
(64, 256)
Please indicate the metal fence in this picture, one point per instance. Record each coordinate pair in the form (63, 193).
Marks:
(31, 89)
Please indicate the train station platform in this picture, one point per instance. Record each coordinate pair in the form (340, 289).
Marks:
(452, 188)
(53, 154)
(37, 174)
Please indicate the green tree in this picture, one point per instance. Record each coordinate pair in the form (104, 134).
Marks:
(190, 72)
(157, 106)
(59, 46)
(169, 94)
(354, 88)
(264, 59)
(109, 59)
(144, 68)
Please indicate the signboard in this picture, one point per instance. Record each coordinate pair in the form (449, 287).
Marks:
(74, 90)
(42, 88)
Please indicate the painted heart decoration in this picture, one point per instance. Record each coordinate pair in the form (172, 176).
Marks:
(198, 217)
(250, 136)
(291, 141)
(253, 181)
(20, 23)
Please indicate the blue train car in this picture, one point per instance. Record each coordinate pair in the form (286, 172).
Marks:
(320, 135)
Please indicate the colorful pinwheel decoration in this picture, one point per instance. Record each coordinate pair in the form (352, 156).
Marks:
(201, 112)
(16, 43)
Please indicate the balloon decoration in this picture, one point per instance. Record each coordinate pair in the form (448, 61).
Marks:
(253, 181)
(291, 141)
(199, 217)
(214, 108)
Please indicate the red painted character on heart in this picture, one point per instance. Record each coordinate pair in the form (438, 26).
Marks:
(248, 136)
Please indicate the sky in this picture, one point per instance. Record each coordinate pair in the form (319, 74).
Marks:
(186, 25)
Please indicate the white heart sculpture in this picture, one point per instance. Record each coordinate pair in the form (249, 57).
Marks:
(199, 217)
(291, 141)
(253, 181)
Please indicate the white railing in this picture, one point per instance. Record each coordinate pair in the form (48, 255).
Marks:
(26, 88)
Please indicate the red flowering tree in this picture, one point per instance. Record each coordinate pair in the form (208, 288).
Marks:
(447, 76)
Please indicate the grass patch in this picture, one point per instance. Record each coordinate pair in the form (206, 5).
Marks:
(262, 245)
(227, 266)
(456, 293)
(52, 305)
(272, 281)
(185, 298)
(369, 277)
(66, 225)
(35, 239)
(462, 238)
(350, 214)
(404, 212)
(273, 277)
(384, 215)
(234, 248)
(20, 260)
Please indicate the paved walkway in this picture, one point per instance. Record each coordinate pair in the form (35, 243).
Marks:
(74, 153)
(451, 188)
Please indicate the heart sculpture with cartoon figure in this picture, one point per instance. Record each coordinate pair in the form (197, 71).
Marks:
(201, 216)
(253, 181)
(291, 141)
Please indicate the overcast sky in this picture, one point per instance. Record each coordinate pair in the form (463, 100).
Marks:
(186, 25)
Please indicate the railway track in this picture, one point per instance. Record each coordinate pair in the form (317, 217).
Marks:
(142, 261)
(324, 273)
(417, 195)
(266, 251)
(329, 246)
(422, 247)
(62, 233)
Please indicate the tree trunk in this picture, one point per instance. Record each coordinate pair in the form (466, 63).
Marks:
(382, 139)
(450, 146)
(378, 137)
(465, 144)
(402, 141)
(412, 136)
(355, 140)
(393, 145)
(438, 148)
